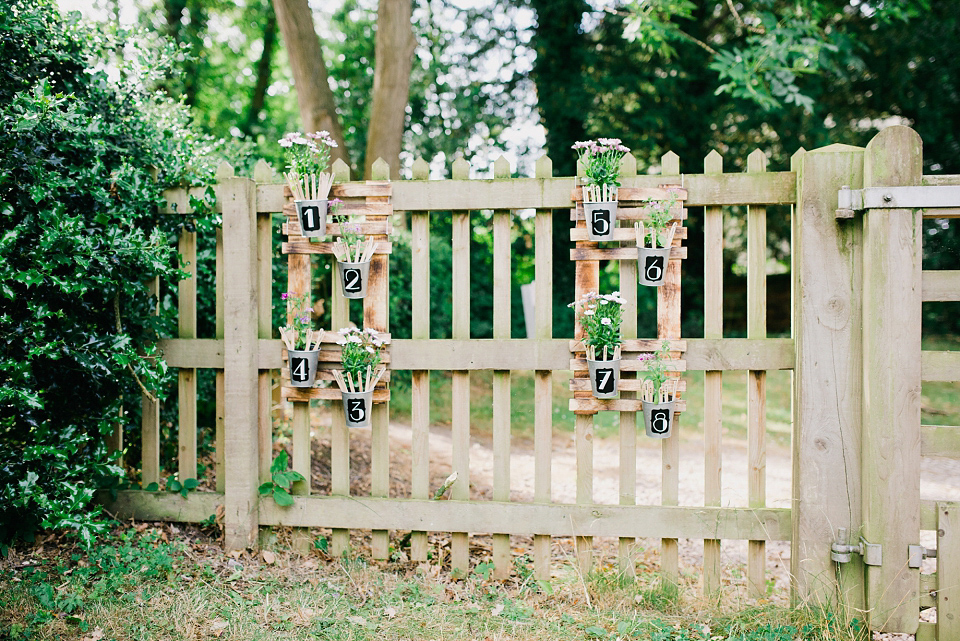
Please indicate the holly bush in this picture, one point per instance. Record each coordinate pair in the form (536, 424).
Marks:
(85, 149)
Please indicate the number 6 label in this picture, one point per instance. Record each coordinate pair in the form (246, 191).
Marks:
(653, 268)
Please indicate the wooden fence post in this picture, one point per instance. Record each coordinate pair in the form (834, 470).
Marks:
(892, 299)
(238, 198)
(826, 267)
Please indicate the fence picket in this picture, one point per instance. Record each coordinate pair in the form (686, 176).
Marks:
(670, 447)
(263, 173)
(502, 278)
(543, 411)
(948, 571)
(628, 420)
(150, 424)
(460, 406)
(219, 381)
(756, 379)
(712, 380)
(187, 376)
(420, 399)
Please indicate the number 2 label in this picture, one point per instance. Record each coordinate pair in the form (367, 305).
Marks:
(352, 279)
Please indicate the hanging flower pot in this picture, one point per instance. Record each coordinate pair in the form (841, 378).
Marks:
(601, 219)
(303, 367)
(604, 377)
(354, 254)
(302, 343)
(658, 394)
(313, 217)
(658, 418)
(652, 265)
(356, 408)
(353, 278)
(654, 242)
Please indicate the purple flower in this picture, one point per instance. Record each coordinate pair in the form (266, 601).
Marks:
(284, 295)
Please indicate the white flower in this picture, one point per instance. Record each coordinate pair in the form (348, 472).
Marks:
(285, 142)
(605, 321)
(589, 312)
(355, 339)
(603, 301)
(370, 349)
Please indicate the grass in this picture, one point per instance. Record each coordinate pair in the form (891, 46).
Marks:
(148, 583)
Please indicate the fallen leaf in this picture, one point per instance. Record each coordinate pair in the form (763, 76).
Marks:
(217, 627)
(390, 612)
(357, 620)
(269, 557)
(96, 635)
(497, 609)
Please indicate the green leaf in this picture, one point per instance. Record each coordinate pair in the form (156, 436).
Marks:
(266, 488)
(282, 497)
(153, 487)
(190, 484)
(174, 485)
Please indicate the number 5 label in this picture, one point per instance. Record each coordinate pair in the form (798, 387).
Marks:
(601, 222)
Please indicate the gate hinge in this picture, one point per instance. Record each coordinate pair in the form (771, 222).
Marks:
(917, 553)
(840, 550)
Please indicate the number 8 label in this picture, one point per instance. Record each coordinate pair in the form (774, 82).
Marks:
(660, 421)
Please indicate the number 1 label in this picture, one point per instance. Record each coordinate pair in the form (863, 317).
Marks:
(310, 217)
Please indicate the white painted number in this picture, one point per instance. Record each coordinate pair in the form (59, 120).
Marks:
(604, 380)
(352, 279)
(660, 421)
(310, 218)
(654, 267)
(299, 370)
(356, 410)
(601, 222)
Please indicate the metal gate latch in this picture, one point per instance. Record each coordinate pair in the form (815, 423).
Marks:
(840, 550)
(917, 553)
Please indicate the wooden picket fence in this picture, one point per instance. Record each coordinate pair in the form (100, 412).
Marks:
(854, 329)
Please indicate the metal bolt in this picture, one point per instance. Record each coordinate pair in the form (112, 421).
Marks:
(887, 198)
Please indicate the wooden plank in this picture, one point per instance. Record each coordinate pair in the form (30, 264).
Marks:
(305, 246)
(264, 328)
(420, 393)
(625, 214)
(240, 360)
(892, 305)
(927, 632)
(928, 592)
(668, 325)
(543, 387)
(826, 267)
(219, 377)
(941, 285)
(620, 253)
(187, 377)
(676, 365)
(940, 440)
(640, 521)
(948, 571)
(939, 366)
(502, 557)
(162, 506)
(589, 404)
(625, 234)
(941, 179)
(299, 281)
(150, 424)
(177, 201)
(375, 316)
(628, 420)
(525, 354)
(928, 515)
(304, 394)
(556, 193)
(339, 433)
(756, 379)
(712, 379)
(634, 345)
(626, 385)
(460, 410)
(368, 227)
(626, 194)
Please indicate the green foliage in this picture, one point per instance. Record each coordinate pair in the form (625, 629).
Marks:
(601, 160)
(600, 316)
(80, 238)
(281, 480)
(656, 371)
(188, 485)
(308, 154)
(361, 352)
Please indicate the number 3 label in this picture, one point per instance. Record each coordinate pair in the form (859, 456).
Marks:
(356, 410)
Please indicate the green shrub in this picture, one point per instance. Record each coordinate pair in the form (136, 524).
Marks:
(80, 238)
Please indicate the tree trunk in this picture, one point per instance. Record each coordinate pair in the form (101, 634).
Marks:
(391, 84)
(317, 108)
(263, 71)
